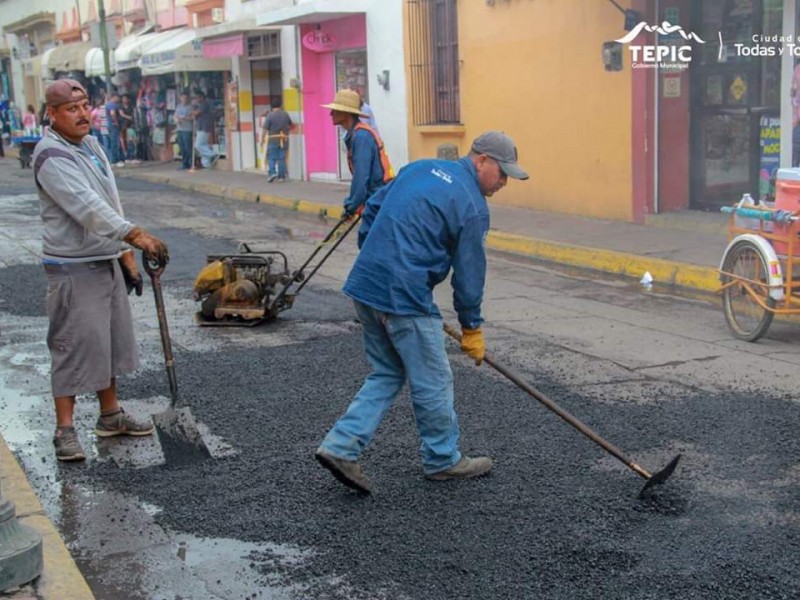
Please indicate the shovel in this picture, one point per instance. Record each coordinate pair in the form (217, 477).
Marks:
(651, 478)
(181, 441)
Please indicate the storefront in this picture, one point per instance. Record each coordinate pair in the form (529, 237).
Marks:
(334, 56)
(170, 63)
(719, 120)
(265, 70)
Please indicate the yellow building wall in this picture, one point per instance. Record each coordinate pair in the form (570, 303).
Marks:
(534, 70)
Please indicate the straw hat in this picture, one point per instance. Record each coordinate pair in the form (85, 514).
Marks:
(346, 101)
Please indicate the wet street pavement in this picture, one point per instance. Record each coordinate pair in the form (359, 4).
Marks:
(656, 374)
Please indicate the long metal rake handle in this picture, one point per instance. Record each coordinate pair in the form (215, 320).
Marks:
(569, 418)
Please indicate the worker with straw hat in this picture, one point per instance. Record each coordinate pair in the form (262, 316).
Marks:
(366, 156)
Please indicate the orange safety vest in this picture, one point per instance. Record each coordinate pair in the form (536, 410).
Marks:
(388, 171)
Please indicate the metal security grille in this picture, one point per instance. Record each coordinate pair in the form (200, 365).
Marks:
(266, 45)
(433, 54)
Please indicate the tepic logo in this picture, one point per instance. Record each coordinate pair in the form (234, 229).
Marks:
(668, 55)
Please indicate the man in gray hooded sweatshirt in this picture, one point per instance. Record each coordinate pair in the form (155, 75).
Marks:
(90, 269)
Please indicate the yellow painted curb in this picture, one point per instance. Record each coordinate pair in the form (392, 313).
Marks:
(61, 578)
(242, 194)
(609, 261)
(212, 189)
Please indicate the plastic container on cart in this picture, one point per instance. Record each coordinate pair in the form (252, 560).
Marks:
(787, 197)
(746, 222)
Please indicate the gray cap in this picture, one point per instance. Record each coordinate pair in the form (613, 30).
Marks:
(497, 145)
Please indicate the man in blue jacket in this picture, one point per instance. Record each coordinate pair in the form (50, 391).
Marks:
(366, 156)
(431, 218)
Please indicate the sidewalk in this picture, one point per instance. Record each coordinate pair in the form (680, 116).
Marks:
(60, 578)
(682, 248)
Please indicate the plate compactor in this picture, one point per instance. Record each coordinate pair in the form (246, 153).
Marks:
(251, 287)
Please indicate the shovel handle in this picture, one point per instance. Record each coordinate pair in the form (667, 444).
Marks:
(569, 418)
(154, 268)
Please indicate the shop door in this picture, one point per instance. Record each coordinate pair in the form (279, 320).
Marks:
(265, 76)
(351, 73)
(731, 95)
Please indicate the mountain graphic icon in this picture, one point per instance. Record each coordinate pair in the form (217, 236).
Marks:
(666, 28)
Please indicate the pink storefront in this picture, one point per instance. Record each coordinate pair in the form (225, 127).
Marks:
(334, 56)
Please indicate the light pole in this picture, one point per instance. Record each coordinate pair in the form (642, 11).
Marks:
(20, 549)
(104, 44)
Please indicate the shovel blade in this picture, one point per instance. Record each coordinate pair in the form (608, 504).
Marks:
(661, 476)
(181, 441)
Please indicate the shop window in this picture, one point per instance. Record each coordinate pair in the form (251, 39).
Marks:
(434, 64)
(265, 45)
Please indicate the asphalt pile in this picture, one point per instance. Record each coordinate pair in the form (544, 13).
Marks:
(555, 519)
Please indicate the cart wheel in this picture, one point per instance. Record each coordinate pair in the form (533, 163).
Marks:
(747, 319)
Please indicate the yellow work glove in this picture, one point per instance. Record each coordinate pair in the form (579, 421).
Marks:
(472, 344)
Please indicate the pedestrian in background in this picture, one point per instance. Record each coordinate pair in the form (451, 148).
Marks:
(204, 121)
(431, 218)
(369, 114)
(184, 123)
(90, 270)
(113, 124)
(366, 156)
(275, 135)
(29, 121)
(125, 119)
(99, 125)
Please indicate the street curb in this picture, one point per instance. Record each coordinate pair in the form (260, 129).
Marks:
(664, 272)
(60, 578)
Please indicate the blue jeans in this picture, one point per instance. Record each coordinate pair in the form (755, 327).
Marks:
(114, 148)
(185, 144)
(204, 149)
(397, 348)
(276, 157)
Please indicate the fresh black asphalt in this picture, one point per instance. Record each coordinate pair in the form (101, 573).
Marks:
(557, 518)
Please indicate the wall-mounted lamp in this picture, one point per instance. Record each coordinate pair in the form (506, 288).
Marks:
(383, 79)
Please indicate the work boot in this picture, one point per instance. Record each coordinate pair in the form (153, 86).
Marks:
(119, 423)
(68, 448)
(346, 471)
(466, 468)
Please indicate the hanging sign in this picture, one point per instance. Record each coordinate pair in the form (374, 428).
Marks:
(319, 41)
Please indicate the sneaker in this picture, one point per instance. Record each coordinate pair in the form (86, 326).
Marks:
(121, 424)
(68, 448)
(346, 471)
(466, 468)
(272, 178)
(281, 179)
(120, 164)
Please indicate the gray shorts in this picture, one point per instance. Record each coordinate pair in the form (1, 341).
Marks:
(91, 337)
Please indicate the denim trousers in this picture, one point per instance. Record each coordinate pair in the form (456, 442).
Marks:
(276, 157)
(204, 149)
(400, 348)
(114, 148)
(185, 144)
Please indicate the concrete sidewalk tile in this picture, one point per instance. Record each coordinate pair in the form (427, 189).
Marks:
(61, 577)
